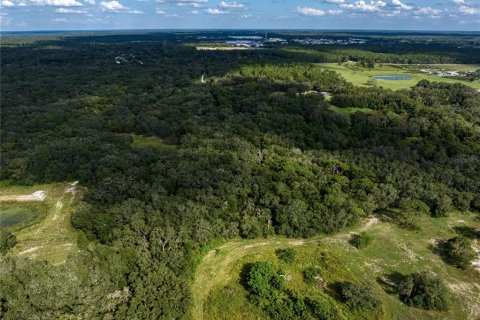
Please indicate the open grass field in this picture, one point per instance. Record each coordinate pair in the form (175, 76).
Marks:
(150, 142)
(351, 110)
(50, 237)
(218, 293)
(361, 77)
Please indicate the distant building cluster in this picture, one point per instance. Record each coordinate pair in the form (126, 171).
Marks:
(254, 41)
(258, 42)
(309, 41)
(127, 59)
(452, 73)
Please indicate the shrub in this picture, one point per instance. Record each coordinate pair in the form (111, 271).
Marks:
(358, 296)
(409, 211)
(7, 240)
(459, 252)
(262, 279)
(267, 290)
(321, 309)
(423, 290)
(441, 205)
(311, 274)
(287, 255)
(361, 240)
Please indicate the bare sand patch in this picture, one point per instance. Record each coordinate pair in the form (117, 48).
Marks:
(39, 195)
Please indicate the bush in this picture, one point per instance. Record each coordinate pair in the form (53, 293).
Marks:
(361, 240)
(358, 296)
(287, 255)
(423, 290)
(459, 252)
(7, 240)
(441, 205)
(262, 280)
(321, 309)
(311, 274)
(267, 290)
(409, 211)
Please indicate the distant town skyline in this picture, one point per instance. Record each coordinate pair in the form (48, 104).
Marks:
(448, 15)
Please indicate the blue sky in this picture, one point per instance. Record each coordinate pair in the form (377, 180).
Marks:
(262, 14)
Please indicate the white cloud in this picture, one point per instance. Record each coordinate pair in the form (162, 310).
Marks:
(67, 11)
(184, 3)
(335, 1)
(114, 6)
(365, 7)
(194, 12)
(231, 5)
(7, 4)
(334, 11)
(59, 20)
(57, 3)
(311, 12)
(469, 10)
(189, 4)
(160, 11)
(458, 2)
(215, 11)
(89, 1)
(401, 5)
(428, 11)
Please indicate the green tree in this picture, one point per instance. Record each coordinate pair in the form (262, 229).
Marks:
(361, 240)
(358, 296)
(424, 290)
(459, 251)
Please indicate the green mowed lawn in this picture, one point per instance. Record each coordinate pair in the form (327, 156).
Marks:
(362, 76)
(219, 294)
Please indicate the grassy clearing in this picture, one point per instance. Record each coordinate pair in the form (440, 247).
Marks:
(348, 111)
(362, 76)
(218, 293)
(52, 238)
(148, 141)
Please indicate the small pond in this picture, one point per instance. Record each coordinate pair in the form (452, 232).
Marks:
(17, 216)
(392, 77)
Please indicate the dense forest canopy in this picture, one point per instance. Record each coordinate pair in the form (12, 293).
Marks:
(242, 154)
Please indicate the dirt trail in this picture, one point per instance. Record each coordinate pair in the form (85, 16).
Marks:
(216, 265)
(214, 270)
(476, 261)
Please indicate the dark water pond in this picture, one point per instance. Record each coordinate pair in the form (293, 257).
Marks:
(16, 216)
(392, 77)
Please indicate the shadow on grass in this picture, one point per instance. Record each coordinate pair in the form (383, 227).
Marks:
(390, 281)
(468, 232)
(387, 215)
(244, 275)
(399, 219)
(334, 290)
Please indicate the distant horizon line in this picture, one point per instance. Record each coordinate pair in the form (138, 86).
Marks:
(237, 29)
